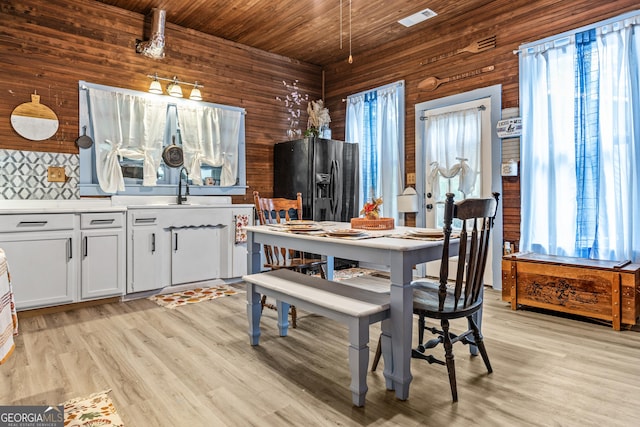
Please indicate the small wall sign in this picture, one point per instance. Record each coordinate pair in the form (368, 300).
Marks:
(509, 128)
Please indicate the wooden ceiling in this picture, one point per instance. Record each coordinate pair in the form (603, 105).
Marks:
(307, 30)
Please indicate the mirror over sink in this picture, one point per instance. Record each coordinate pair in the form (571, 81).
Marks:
(135, 131)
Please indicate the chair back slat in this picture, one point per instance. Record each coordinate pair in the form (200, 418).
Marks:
(444, 266)
(477, 216)
(277, 211)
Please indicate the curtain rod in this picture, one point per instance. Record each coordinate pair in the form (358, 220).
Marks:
(399, 83)
(567, 34)
(84, 85)
(480, 108)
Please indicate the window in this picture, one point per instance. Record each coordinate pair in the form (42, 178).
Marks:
(131, 129)
(375, 121)
(580, 155)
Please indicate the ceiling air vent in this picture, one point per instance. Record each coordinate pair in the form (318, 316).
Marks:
(418, 17)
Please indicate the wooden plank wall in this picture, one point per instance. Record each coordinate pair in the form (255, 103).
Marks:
(513, 22)
(48, 46)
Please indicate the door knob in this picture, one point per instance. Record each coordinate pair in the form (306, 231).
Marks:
(429, 206)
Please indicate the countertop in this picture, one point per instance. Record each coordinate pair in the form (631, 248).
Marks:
(113, 204)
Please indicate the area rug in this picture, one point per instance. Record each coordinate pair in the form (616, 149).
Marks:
(350, 273)
(95, 410)
(192, 296)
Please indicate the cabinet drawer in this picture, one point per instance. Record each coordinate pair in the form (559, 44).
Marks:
(36, 222)
(143, 217)
(101, 220)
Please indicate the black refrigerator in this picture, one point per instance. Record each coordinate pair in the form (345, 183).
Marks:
(325, 171)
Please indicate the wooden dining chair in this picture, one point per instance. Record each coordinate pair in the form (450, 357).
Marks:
(279, 211)
(462, 298)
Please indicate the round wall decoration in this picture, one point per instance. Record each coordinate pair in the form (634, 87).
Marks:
(33, 120)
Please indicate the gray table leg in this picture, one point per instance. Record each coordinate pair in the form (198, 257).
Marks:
(283, 317)
(402, 324)
(254, 311)
(387, 353)
(358, 359)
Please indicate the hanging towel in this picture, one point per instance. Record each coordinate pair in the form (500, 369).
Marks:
(241, 231)
(8, 316)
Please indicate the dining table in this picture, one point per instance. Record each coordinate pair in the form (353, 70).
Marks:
(399, 249)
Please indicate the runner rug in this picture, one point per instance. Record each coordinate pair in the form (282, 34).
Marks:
(95, 410)
(192, 296)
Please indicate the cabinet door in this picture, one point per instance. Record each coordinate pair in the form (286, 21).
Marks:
(43, 267)
(196, 254)
(145, 259)
(103, 263)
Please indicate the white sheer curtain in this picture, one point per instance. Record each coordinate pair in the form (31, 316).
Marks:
(549, 187)
(392, 151)
(128, 126)
(210, 136)
(375, 121)
(453, 149)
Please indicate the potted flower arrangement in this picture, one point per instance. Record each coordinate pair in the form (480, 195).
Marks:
(371, 210)
(319, 118)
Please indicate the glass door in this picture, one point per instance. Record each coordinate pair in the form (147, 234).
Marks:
(457, 146)
(457, 142)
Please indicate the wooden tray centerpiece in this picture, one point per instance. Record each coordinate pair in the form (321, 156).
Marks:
(372, 219)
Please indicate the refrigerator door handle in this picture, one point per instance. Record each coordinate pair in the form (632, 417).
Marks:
(335, 181)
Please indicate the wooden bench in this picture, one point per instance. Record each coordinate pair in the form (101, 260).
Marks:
(605, 290)
(357, 308)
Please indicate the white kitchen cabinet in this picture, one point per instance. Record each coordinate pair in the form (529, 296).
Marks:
(175, 245)
(42, 251)
(196, 254)
(199, 245)
(147, 252)
(102, 255)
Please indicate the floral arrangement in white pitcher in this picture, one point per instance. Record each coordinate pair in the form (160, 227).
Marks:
(319, 118)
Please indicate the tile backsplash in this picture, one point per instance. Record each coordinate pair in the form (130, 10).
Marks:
(23, 175)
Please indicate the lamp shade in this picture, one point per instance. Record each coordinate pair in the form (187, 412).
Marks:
(155, 87)
(174, 90)
(195, 94)
(408, 200)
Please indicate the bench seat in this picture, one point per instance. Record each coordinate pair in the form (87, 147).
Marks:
(355, 307)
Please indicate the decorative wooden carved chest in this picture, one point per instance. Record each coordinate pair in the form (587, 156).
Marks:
(605, 290)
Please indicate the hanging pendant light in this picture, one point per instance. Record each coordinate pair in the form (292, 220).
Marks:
(340, 24)
(350, 56)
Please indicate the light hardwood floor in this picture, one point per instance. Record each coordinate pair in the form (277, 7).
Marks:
(193, 366)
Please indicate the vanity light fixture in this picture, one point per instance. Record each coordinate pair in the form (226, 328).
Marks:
(173, 88)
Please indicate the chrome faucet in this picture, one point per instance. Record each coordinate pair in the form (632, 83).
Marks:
(186, 193)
